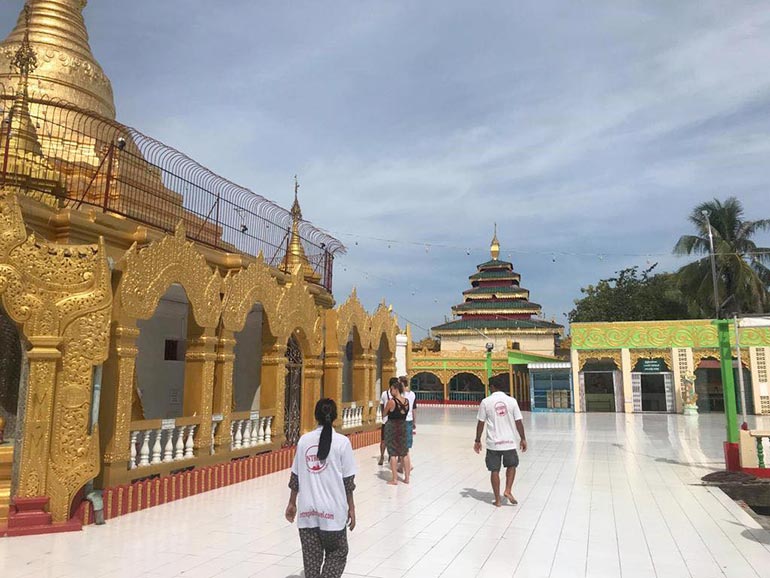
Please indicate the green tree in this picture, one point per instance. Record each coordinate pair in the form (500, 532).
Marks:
(742, 273)
(631, 296)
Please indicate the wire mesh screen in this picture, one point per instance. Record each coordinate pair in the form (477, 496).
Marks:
(69, 157)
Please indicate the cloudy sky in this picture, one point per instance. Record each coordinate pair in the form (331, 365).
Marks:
(586, 130)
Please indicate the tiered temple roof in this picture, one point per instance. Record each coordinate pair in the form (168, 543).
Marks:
(496, 303)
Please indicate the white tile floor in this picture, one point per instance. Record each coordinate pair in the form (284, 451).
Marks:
(601, 495)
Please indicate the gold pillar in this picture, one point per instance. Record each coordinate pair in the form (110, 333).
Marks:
(200, 361)
(312, 371)
(43, 358)
(273, 387)
(222, 402)
(116, 399)
(332, 367)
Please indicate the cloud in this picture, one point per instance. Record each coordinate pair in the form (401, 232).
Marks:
(587, 132)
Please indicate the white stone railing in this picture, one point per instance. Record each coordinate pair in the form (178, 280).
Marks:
(161, 441)
(378, 418)
(352, 416)
(251, 431)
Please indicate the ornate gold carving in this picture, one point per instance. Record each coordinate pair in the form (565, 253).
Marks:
(352, 314)
(243, 289)
(149, 272)
(598, 355)
(61, 295)
(383, 322)
(664, 354)
(299, 314)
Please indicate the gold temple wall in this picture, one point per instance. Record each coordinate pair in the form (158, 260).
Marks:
(76, 313)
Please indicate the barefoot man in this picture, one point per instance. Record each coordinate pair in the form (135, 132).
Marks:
(501, 415)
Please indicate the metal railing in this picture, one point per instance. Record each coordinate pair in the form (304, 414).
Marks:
(68, 157)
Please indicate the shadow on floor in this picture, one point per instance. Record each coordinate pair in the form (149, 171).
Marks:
(673, 462)
(763, 537)
(486, 497)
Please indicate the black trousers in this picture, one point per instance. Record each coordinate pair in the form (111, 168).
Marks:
(327, 549)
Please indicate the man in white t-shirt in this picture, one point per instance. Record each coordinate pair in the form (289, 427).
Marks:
(384, 399)
(501, 415)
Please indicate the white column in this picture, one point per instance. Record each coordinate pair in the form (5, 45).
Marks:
(575, 362)
(168, 450)
(628, 393)
(134, 437)
(190, 443)
(401, 345)
(144, 452)
(179, 446)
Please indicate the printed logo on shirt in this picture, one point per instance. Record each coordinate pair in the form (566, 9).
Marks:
(501, 409)
(313, 464)
(316, 514)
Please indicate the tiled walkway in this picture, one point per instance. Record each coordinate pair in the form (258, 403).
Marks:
(600, 495)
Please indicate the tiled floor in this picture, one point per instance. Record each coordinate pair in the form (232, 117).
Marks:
(601, 495)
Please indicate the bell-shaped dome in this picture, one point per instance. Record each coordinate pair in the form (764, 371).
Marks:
(66, 68)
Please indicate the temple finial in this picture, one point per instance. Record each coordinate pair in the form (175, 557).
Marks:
(25, 59)
(296, 211)
(494, 248)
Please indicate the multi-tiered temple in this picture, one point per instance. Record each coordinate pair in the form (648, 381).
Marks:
(496, 309)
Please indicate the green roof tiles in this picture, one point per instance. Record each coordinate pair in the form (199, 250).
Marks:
(495, 275)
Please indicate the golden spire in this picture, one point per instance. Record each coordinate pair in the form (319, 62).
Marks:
(20, 139)
(295, 254)
(494, 249)
(67, 69)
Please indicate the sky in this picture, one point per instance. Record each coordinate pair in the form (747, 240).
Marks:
(586, 130)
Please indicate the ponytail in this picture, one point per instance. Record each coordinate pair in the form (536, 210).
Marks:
(325, 414)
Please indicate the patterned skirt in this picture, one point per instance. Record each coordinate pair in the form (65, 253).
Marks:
(395, 438)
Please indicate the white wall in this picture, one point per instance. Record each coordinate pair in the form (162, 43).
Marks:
(541, 344)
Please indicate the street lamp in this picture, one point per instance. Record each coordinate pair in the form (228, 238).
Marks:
(705, 214)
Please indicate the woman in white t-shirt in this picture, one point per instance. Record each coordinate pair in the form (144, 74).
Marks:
(322, 483)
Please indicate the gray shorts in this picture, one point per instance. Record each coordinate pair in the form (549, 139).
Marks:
(509, 458)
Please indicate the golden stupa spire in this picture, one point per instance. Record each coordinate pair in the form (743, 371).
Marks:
(494, 249)
(295, 253)
(24, 157)
(67, 69)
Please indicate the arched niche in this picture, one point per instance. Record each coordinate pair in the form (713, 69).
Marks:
(427, 385)
(353, 370)
(143, 278)
(384, 329)
(250, 326)
(466, 386)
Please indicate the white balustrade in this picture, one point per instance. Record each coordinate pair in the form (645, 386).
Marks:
(134, 438)
(161, 445)
(378, 418)
(247, 433)
(190, 443)
(144, 452)
(179, 446)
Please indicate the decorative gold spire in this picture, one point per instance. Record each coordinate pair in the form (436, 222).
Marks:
(18, 136)
(494, 249)
(295, 254)
(66, 68)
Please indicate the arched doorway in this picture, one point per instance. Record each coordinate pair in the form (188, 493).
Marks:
(466, 387)
(427, 386)
(160, 362)
(10, 372)
(352, 377)
(247, 365)
(708, 387)
(293, 392)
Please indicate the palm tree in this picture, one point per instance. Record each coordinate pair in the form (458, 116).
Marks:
(743, 275)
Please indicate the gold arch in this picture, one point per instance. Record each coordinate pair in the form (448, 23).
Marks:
(699, 355)
(61, 296)
(149, 272)
(352, 314)
(243, 289)
(299, 311)
(664, 354)
(383, 322)
(585, 356)
(482, 375)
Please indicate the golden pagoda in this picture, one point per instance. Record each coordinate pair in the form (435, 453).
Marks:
(67, 70)
(295, 252)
